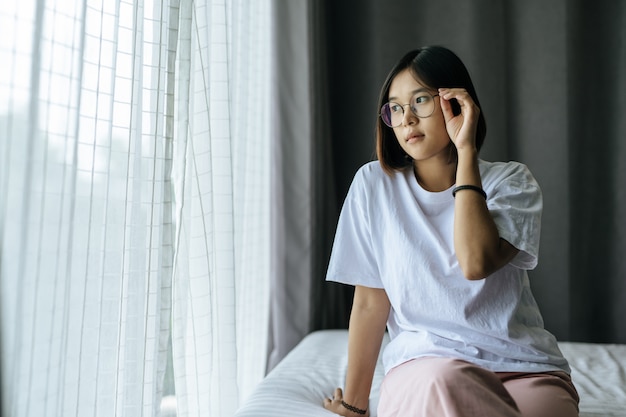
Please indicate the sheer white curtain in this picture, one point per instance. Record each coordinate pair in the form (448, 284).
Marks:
(85, 217)
(133, 204)
(221, 291)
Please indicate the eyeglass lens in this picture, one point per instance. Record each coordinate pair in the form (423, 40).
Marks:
(422, 105)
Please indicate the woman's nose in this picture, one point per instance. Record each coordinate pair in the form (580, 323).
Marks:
(409, 118)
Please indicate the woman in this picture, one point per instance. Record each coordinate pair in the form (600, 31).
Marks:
(437, 243)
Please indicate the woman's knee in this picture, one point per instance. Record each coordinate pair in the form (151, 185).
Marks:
(545, 395)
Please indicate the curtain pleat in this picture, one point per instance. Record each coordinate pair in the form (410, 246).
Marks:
(291, 176)
(251, 93)
(221, 177)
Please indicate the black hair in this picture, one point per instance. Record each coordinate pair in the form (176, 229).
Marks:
(435, 67)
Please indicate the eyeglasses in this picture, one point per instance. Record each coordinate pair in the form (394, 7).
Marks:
(422, 105)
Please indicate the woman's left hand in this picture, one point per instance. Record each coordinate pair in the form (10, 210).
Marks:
(462, 127)
(335, 405)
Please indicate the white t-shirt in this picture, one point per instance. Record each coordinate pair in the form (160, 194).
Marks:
(395, 235)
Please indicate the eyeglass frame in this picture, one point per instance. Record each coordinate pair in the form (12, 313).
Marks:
(402, 106)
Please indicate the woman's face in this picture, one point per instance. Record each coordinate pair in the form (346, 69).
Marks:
(421, 138)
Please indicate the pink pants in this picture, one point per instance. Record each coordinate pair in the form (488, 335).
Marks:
(443, 387)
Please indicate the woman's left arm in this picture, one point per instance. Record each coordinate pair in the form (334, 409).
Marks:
(477, 243)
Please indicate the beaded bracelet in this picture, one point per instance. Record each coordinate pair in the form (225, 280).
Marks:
(469, 187)
(353, 408)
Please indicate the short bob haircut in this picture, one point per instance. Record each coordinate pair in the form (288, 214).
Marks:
(435, 67)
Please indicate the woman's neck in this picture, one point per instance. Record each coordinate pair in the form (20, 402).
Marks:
(434, 175)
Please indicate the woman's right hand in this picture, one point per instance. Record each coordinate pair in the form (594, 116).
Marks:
(462, 127)
(334, 405)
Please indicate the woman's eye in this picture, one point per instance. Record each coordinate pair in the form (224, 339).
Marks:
(395, 108)
(421, 99)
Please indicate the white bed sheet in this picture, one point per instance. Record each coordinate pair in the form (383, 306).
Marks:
(314, 368)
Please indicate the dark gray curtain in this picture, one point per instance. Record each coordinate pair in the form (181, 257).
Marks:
(551, 77)
(292, 189)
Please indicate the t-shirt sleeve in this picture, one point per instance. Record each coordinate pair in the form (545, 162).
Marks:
(352, 259)
(516, 203)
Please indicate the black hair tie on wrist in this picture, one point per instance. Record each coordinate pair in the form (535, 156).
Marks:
(353, 408)
(469, 187)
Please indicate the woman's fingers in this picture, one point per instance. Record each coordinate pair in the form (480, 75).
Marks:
(450, 93)
(337, 397)
(446, 108)
(338, 394)
(462, 97)
(461, 127)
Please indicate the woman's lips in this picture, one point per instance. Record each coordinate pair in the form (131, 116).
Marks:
(414, 138)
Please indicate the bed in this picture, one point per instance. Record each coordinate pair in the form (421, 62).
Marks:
(312, 370)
